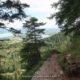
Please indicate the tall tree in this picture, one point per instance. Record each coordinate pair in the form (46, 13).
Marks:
(30, 52)
(68, 15)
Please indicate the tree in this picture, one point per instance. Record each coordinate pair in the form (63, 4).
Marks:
(16, 32)
(11, 10)
(30, 52)
(68, 15)
(1, 67)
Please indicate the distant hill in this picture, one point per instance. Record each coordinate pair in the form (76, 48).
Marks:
(48, 32)
(4, 34)
(51, 31)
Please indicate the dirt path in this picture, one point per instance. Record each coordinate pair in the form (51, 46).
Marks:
(50, 70)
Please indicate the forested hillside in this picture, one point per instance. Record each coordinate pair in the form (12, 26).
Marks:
(10, 66)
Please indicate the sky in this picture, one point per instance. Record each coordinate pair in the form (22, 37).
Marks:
(40, 9)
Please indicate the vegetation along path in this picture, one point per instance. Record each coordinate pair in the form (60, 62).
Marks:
(50, 70)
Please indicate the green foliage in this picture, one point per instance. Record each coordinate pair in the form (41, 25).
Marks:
(67, 16)
(12, 48)
(8, 7)
(44, 54)
(58, 41)
(10, 63)
(75, 45)
(30, 52)
(70, 63)
(29, 74)
(30, 55)
(11, 10)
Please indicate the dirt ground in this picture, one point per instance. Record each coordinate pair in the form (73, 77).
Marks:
(50, 70)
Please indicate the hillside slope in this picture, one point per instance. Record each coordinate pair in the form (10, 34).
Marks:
(58, 41)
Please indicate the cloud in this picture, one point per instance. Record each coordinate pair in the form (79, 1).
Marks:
(41, 5)
(40, 9)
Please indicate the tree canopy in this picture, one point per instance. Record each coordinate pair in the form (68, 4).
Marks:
(68, 15)
(11, 10)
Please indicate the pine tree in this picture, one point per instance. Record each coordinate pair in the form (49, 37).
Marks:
(30, 52)
(68, 15)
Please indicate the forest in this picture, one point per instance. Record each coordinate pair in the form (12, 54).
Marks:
(22, 55)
